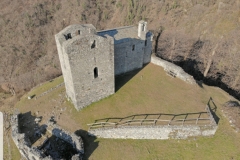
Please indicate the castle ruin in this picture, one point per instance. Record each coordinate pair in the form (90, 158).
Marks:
(90, 60)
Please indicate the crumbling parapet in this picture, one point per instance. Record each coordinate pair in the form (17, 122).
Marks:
(73, 139)
(173, 69)
(36, 153)
(23, 143)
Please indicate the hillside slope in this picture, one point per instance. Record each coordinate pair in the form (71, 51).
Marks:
(201, 36)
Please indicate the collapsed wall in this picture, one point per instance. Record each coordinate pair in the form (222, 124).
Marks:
(173, 69)
(23, 143)
(38, 153)
(73, 139)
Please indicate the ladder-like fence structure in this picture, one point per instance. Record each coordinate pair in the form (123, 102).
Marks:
(199, 118)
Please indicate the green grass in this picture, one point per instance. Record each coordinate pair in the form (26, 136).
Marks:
(149, 90)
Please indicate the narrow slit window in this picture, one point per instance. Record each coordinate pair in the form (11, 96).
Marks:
(93, 44)
(95, 72)
(78, 32)
(133, 47)
(143, 26)
(145, 42)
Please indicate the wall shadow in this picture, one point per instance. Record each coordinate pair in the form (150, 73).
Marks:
(89, 142)
(199, 83)
(194, 68)
(121, 80)
(30, 128)
(213, 109)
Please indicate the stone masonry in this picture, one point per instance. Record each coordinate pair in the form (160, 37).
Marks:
(170, 67)
(90, 60)
(30, 152)
(155, 132)
(152, 130)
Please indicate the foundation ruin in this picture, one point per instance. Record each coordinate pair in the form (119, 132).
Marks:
(45, 142)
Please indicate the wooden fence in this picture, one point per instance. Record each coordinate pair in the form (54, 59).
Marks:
(200, 118)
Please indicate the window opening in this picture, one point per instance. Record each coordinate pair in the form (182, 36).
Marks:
(95, 72)
(93, 45)
(133, 47)
(68, 36)
(78, 32)
(143, 26)
(145, 42)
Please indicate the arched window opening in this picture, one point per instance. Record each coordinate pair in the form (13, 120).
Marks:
(133, 47)
(95, 72)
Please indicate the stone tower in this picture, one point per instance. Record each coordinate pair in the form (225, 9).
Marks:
(90, 59)
(87, 63)
(142, 29)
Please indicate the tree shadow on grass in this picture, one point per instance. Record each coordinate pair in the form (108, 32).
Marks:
(89, 142)
(121, 80)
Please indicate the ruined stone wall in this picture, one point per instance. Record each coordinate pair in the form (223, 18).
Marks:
(23, 143)
(72, 139)
(170, 67)
(155, 132)
(32, 153)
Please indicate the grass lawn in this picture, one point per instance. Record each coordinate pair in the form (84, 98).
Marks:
(145, 91)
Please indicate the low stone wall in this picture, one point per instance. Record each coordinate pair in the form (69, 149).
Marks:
(155, 132)
(50, 90)
(170, 67)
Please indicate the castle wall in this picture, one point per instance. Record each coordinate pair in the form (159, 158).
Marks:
(23, 143)
(64, 61)
(155, 132)
(170, 67)
(131, 55)
(64, 37)
(147, 50)
(90, 86)
(68, 78)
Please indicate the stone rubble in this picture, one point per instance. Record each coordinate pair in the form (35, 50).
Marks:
(32, 153)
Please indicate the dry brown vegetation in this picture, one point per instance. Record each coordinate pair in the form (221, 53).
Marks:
(201, 36)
